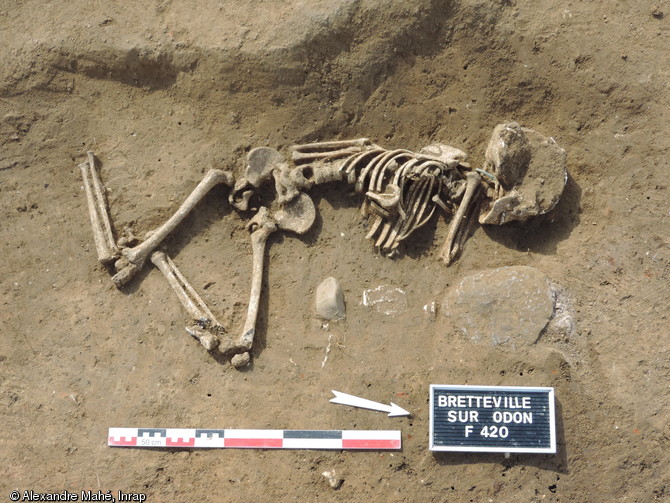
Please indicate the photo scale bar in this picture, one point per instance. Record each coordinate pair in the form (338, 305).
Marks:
(254, 439)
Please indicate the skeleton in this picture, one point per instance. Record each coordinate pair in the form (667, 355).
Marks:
(402, 190)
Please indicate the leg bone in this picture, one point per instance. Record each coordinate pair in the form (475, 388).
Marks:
(263, 225)
(137, 256)
(97, 208)
(195, 306)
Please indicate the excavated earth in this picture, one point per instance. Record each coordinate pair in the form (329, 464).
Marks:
(163, 91)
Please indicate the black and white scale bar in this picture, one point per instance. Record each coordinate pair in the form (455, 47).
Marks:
(255, 439)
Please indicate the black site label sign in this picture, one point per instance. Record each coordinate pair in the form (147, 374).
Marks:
(492, 419)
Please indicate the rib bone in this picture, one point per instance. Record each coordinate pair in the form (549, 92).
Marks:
(388, 199)
(329, 145)
(329, 150)
(99, 213)
(298, 156)
(137, 256)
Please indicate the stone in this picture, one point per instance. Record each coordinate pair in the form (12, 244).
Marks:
(330, 300)
(241, 360)
(531, 169)
(508, 305)
(333, 480)
(430, 311)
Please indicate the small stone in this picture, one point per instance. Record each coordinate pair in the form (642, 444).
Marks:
(332, 478)
(241, 360)
(330, 300)
(563, 321)
(509, 305)
(430, 311)
(209, 341)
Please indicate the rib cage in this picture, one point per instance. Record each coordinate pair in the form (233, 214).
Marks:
(402, 188)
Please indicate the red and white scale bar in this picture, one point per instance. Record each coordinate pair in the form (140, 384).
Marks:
(255, 439)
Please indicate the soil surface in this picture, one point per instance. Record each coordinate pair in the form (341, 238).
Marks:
(163, 91)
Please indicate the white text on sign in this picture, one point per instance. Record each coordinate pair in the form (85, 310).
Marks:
(486, 402)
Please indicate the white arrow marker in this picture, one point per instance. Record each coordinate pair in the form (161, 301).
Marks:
(354, 401)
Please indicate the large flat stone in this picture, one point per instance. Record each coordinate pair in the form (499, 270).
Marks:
(509, 305)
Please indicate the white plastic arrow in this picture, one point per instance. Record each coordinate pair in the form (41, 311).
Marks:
(344, 399)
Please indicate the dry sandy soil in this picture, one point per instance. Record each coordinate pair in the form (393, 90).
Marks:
(164, 91)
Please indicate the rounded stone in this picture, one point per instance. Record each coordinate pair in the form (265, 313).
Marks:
(241, 360)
